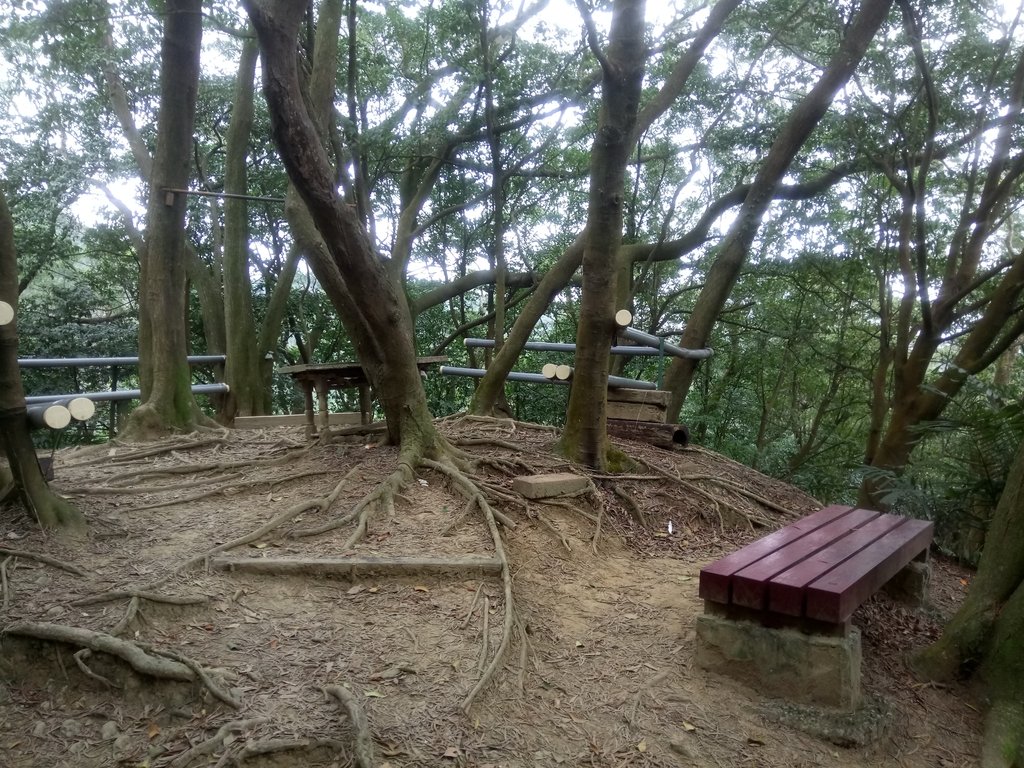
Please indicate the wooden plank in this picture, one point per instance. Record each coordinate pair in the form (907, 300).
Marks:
(657, 397)
(646, 412)
(837, 594)
(750, 586)
(292, 420)
(786, 591)
(359, 566)
(716, 579)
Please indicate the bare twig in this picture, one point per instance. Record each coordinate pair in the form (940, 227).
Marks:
(80, 656)
(43, 559)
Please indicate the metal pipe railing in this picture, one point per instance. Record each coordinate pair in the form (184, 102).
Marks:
(124, 394)
(615, 382)
(557, 346)
(85, 362)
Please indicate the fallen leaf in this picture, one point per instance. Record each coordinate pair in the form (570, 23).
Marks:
(356, 589)
(642, 746)
(421, 589)
(687, 726)
(153, 731)
(451, 752)
(373, 590)
(579, 644)
(373, 694)
(684, 578)
(260, 545)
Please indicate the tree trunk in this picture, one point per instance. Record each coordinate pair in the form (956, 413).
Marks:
(243, 369)
(29, 486)
(164, 372)
(986, 636)
(733, 253)
(585, 436)
(492, 385)
(371, 305)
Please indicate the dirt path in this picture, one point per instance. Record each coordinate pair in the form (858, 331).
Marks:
(598, 672)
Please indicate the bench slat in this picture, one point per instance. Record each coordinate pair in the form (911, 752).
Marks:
(750, 586)
(786, 590)
(716, 579)
(837, 594)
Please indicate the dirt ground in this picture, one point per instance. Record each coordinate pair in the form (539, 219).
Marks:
(596, 668)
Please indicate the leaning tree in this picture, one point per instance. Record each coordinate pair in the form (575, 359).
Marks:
(24, 479)
(985, 639)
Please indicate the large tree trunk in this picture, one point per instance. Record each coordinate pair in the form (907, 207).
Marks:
(585, 438)
(986, 636)
(243, 370)
(28, 484)
(492, 385)
(164, 372)
(370, 303)
(733, 253)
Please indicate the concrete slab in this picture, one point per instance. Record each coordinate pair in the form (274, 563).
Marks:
(783, 663)
(546, 486)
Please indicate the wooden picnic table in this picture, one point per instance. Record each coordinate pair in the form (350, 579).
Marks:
(324, 377)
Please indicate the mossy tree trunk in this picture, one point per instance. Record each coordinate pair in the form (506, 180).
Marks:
(164, 373)
(364, 291)
(29, 486)
(985, 639)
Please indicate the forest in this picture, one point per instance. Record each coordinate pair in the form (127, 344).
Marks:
(828, 195)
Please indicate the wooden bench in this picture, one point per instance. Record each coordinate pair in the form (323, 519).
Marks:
(777, 612)
(820, 568)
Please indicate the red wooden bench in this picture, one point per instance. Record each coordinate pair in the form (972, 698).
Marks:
(817, 571)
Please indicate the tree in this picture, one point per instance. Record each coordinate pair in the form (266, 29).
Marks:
(24, 480)
(163, 369)
(584, 438)
(791, 136)
(962, 287)
(362, 287)
(985, 639)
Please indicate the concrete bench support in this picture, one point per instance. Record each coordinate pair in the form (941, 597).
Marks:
(785, 663)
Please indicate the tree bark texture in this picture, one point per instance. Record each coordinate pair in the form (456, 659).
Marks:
(29, 485)
(734, 250)
(243, 369)
(164, 372)
(371, 305)
(986, 636)
(584, 438)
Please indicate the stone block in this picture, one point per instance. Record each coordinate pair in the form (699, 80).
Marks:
(910, 585)
(546, 486)
(783, 663)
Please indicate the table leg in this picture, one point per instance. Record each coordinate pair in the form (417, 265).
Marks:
(307, 393)
(321, 396)
(365, 404)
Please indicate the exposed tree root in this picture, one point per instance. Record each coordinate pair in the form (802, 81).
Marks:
(360, 566)
(113, 458)
(143, 659)
(46, 559)
(551, 527)
(595, 493)
(472, 492)
(141, 594)
(472, 606)
(80, 656)
(630, 505)
(212, 466)
(216, 741)
(117, 490)
(363, 747)
(274, 746)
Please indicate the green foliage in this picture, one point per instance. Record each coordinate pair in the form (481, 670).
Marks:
(960, 468)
